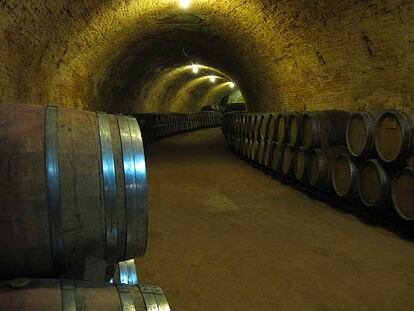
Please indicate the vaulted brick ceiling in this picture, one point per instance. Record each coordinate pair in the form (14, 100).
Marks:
(292, 55)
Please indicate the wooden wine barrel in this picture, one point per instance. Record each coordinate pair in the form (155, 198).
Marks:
(282, 128)
(267, 161)
(245, 146)
(258, 126)
(403, 193)
(374, 184)
(254, 151)
(360, 133)
(394, 136)
(68, 295)
(252, 126)
(261, 152)
(321, 163)
(289, 160)
(273, 127)
(302, 164)
(295, 127)
(324, 128)
(264, 129)
(277, 159)
(345, 176)
(72, 185)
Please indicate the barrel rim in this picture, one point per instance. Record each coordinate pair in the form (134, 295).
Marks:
(410, 171)
(406, 139)
(364, 116)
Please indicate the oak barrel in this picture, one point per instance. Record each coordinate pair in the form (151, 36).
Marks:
(360, 133)
(273, 127)
(72, 185)
(394, 136)
(295, 127)
(324, 128)
(261, 152)
(321, 163)
(264, 129)
(302, 164)
(289, 160)
(277, 156)
(374, 184)
(403, 193)
(267, 160)
(345, 176)
(68, 295)
(282, 128)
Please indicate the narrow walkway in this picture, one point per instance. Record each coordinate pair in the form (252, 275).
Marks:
(224, 236)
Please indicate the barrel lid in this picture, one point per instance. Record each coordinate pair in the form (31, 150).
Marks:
(403, 193)
(19, 283)
(374, 184)
(357, 135)
(393, 136)
(343, 175)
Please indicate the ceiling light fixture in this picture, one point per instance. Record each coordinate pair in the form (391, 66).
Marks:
(195, 69)
(232, 85)
(185, 4)
(213, 79)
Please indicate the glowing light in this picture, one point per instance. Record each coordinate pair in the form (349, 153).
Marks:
(232, 85)
(213, 79)
(185, 4)
(195, 69)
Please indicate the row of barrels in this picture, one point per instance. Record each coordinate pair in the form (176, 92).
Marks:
(156, 126)
(73, 194)
(350, 154)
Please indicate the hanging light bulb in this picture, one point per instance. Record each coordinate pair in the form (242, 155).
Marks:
(185, 4)
(213, 79)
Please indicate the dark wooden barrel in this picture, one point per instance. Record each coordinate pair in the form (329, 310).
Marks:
(360, 133)
(295, 127)
(68, 295)
(258, 125)
(321, 163)
(72, 185)
(255, 150)
(345, 176)
(324, 128)
(289, 160)
(283, 128)
(267, 160)
(273, 127)
(261, 152)
(394, 136)
(403, 193)
(254, 120)
(374, 184)
(277, 158)
(245, 146)
(264, 129)
(302, 164)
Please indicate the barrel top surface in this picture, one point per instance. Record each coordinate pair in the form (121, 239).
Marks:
(403, 193)
(388, 138)
(357, 135)
(370, 183)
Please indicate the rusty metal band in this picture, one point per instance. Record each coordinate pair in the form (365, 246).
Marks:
(135, 186)
(68, 295)
(53, 187)
(109, 187)
(125, 297)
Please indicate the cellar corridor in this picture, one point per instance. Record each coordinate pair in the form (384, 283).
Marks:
(225, 236)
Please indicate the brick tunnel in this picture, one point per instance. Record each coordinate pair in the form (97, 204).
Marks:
(223, 235)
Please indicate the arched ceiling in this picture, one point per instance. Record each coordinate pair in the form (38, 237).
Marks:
(286, 54)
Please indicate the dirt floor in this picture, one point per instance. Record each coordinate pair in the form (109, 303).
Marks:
(225, 236)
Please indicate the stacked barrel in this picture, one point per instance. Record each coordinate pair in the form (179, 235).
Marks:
(156, 126)
(359, 156)
(73, 193)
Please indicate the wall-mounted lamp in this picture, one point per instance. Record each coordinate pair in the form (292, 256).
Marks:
(185, 4)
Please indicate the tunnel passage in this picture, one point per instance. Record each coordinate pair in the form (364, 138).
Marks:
(284, 55)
